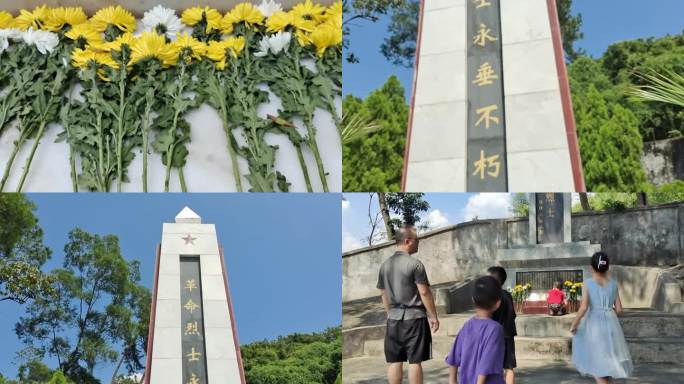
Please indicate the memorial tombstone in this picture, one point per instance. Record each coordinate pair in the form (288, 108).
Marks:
(550, 254)
(192, 336)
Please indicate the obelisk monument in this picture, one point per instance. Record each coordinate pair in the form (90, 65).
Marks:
(192, 336)
(491, 108)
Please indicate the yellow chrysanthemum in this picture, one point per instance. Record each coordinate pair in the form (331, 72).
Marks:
(242, 13)
(218, 51)
(303, 38)
(85, 34)
(334, 10)
(212, 17)
(6, 20)
(196, 48)
(278, 21)
(61, 16)
(35, 19)
(125, 39)
(80, 58)
(151, 45)
(325, 36)
(116, 16)
(309, 11)
(333, 15)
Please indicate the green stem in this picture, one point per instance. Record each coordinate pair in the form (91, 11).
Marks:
(72, 159)
(311, 140)
(169, 161)
(181, 178)
(10, 161)
(27, 165)
(145, 129)
(100, 154)
(302, 164)
(231, 151)
(72, 163)
(120, 132)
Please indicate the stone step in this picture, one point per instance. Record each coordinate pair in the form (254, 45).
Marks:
(657, 350)
(643, 349)
(546, 348)
(634, 324)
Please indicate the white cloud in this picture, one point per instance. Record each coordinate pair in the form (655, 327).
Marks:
(436, 219)
(349, 242)
(487, 206)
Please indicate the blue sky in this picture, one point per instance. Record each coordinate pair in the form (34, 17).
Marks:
(445, 209)
(281, 251)
(605, 22)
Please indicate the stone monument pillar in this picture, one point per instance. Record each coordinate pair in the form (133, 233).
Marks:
(550, 254)
(491, 108)
(192, 336)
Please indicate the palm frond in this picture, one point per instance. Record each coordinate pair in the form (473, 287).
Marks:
(667, 87)
(355, 127)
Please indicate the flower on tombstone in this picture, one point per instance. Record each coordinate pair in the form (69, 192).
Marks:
(163, 21)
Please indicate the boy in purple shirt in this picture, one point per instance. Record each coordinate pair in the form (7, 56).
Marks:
(477, 356)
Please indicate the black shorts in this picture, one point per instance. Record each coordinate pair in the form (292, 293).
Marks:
(509, 353)
(408, 340)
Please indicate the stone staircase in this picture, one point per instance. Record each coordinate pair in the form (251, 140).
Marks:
(652, 336)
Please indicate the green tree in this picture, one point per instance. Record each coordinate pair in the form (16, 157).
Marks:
(407, 205)
(299, 358)
(375, 163)
(96, 309)
(520, 205)
(35, 371)
(625, 63)
(610, 144)
(668, 193)
(22, 252)
(571, 29)
(59, 378)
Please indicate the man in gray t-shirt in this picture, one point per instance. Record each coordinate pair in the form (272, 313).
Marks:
(410, 306)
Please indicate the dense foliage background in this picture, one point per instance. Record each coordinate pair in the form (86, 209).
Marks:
(314, 358)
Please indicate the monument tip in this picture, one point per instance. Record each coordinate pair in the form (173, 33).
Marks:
(187, 215)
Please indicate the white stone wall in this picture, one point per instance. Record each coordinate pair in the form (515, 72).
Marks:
(222, 364)
(538, 156)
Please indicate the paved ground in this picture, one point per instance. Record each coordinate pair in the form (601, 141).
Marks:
(371, 370)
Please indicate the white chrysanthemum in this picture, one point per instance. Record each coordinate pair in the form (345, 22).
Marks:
(12, 33)
(269, 7)
(274, 43)
(4, 44)
(163, 21)
(44, 41)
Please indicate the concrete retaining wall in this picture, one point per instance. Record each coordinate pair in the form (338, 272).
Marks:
(663, 160)
(649, 236)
